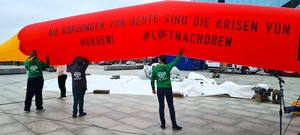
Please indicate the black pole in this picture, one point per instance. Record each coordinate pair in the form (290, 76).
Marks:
(280, 110)
(281, 99)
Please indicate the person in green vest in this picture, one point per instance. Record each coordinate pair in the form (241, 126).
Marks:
(161, 74)
(35, 81)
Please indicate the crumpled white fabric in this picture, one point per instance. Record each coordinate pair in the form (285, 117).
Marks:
(194, 85)
(199, 85)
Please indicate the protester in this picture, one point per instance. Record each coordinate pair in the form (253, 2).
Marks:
(161, 74)
(35, 81)
(79, 83)
(62, 77)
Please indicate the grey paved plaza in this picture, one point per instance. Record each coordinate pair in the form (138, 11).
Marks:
(122, 114)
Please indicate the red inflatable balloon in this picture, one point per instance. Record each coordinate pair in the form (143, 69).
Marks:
(266, 37)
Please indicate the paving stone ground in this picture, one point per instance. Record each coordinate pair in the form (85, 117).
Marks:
(120, 114)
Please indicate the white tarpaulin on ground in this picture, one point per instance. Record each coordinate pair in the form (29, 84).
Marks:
(194, 85)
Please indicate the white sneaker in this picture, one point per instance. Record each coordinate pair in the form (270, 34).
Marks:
(63, 98)
(40, 110)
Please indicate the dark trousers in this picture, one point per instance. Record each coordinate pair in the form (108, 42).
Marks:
(161, 94)
(34, 88)
(78, 97)
(62, 85)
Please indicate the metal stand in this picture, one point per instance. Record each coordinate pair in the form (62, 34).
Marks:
(281, 104)
(281, 100)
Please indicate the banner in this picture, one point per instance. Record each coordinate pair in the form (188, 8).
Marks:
(265, 37)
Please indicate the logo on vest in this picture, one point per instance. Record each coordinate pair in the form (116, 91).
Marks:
(77, 76)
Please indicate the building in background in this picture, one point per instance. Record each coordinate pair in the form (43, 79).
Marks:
(197, 64)
(273, 3)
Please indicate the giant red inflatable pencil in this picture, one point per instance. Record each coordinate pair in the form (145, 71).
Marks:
(266, 37)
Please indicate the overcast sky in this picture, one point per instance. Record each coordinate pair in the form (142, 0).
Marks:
(16, 14)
